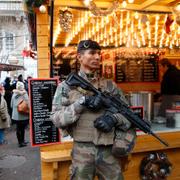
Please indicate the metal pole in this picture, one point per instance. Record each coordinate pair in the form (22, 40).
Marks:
(51, 37)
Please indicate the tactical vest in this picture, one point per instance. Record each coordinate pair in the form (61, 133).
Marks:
(83, 130)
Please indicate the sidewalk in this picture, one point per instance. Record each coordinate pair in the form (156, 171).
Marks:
(19, 163)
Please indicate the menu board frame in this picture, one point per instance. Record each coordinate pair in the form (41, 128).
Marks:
(34, 143)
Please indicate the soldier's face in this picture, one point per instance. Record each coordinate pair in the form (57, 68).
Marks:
(89, 59)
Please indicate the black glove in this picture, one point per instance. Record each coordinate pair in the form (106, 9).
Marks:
(93, 102)
(105, 123)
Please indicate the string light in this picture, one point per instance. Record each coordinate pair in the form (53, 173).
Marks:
(124, 4)
(123, 28)
(86, 2)
(130, 1)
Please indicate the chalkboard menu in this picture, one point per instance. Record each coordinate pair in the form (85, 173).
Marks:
(41, 93)
(137, 70)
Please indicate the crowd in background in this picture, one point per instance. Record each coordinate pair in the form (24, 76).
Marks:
(11, 92)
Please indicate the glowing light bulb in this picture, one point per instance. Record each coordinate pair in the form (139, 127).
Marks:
(124, 4)
(130, 1)
(86, 2)
(136, 16)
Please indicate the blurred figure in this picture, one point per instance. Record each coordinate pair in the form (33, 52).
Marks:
(20, 78)
(21, 120)
(14, 81)
(170, 87)
(26, 83)
(65, 69)
(4, 116)
(8, 93)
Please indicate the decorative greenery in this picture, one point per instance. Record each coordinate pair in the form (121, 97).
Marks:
(65, 20)
(155, 166)
(31, 4)
(102, 12)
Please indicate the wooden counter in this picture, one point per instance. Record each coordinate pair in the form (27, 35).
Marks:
(55, 159)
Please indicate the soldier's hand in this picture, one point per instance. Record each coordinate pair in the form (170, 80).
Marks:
(105, 123)
(93, 102)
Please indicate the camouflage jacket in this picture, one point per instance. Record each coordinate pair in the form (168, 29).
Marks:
(68, 113)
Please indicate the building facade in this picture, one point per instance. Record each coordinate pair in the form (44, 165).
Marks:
(14, 38)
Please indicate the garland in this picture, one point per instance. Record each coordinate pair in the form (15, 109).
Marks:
(100, 12)
(34, 4)
(155, 166)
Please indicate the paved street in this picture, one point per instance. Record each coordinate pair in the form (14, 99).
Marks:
(19, 163)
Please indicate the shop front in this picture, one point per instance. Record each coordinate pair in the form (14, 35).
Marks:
(134, 38)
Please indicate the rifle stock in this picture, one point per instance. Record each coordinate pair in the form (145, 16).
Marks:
(116, 104)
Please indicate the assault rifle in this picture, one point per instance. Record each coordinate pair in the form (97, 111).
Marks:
(116, 105)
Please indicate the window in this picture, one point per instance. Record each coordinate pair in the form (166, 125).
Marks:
(7, 41)
(10, 43)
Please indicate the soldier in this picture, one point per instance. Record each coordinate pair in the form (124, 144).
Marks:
(85, 118)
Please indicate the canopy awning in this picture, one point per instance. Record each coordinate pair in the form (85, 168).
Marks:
(10, 67)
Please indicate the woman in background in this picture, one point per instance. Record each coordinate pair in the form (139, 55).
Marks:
(20, 119)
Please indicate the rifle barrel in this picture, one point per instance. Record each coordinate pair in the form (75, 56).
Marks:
(157, 137)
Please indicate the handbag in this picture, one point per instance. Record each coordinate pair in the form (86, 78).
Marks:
(23, 107)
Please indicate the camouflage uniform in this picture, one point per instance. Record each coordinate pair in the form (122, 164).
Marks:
(91, 153)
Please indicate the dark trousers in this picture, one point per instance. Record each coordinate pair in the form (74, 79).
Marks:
(20, 130)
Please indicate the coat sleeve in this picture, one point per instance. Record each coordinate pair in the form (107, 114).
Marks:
(4, 116)
(64, 112)
(123, 123)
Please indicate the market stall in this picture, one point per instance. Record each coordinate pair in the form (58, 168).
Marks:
(135, 35)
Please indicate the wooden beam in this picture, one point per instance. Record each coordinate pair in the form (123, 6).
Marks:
(72, 3)
(153, 8)
(162, 9)
(148, 3)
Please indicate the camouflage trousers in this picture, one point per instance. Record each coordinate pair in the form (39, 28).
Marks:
(89, 161)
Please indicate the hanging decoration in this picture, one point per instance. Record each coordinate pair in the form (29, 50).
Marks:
(168, 23)
(65, 19)
(102, 12)
(42, 9)
(155, 166)
(144, 19)
(29, 52)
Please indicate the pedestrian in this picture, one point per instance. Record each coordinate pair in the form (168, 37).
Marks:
(14, 81)
(21, 120)
(26, 83)
(84, 117)
(4, 116)
(8, 93)
(170, 88)
(20, 78)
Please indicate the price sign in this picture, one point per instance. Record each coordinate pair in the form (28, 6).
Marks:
(41, 93)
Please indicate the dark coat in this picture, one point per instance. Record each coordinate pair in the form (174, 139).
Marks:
(170, 84)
